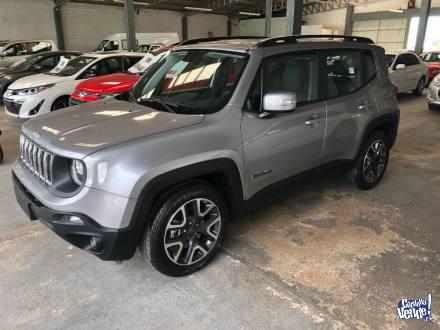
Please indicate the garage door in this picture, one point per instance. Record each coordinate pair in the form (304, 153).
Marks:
(388, 33)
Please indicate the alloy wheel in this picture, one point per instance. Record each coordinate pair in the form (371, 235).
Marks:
(374, 161)
(192, 231)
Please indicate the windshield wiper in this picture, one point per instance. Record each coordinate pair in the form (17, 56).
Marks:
(165, 105)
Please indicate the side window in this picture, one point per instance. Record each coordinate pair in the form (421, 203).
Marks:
(412, 59)
(125, 44)
(129, 61)
(400, 60)
(39, 46)
(369, 71)
(107, 66)
(343, 72)
(296, 73)
(111, 46)
(49, 62)
(17, 49)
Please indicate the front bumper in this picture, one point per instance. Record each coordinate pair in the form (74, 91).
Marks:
(24, 106)
(105, 243)
(434, 95)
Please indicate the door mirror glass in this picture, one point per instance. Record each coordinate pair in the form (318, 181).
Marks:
(400, 66)
(279, 101)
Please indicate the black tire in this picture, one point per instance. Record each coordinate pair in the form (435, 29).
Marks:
(420, 87)
(60, 103)
(1, 154)
(169, 213)
(367, 173)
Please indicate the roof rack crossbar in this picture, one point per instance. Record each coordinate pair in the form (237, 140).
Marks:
(200, 40)
(293, 39)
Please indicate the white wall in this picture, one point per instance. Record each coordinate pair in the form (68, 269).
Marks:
(25, 19)
(85, 24)
(200, 24)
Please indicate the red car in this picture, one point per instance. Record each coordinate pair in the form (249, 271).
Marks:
(432, 59)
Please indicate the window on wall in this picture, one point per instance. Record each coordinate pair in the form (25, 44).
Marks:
(432, 38)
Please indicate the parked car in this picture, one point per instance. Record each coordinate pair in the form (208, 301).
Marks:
(46, 92)
(17, 50)
(118, 41)
(432, 59)
(112, 85)
(408, 72)
(149, 48)
(37, 63)
(204, 133)
(434, 94)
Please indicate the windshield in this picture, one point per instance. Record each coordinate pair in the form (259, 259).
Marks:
(431, 57)
(389, 58)
(73, 66)
(100, 45)
(27, 63)
(190, 81)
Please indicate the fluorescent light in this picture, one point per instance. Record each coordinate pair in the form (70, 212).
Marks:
(245, 13)
(135, 3)
(400, 11)
(198, 9)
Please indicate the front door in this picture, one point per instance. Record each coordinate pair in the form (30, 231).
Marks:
(280, 145)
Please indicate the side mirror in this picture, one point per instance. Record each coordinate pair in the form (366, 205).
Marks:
(400, 66)
(279, 101)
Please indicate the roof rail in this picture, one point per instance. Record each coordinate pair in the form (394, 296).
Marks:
(293, 39)
(200, 40)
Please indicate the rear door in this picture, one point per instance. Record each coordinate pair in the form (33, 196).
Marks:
(349, 99)
(400, 77)
(281, 145)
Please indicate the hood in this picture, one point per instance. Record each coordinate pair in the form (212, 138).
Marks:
(78, 131)
(38, 80)
(108, 84)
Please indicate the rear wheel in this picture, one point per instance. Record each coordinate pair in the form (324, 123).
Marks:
(186, 230)
(60, 103)
(420, 87)
(372, 161)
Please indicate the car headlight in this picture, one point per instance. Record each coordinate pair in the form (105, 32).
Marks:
(436, 82)
(32, 90)
(78, 172)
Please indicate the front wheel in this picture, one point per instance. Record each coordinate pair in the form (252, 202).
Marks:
(372, 161)
(60, 103)
(420, 87)
(186, 230)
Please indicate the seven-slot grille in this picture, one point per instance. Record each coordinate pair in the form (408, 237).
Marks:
(36, 159)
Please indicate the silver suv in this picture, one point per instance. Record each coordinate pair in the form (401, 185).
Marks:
(207, 130)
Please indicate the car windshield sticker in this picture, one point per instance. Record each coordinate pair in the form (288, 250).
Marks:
(146, 62)
(61, 65)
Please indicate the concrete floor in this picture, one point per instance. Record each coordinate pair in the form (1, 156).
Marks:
(325, 256)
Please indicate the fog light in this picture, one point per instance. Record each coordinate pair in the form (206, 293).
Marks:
(70, 220)
(96, 243)
(35, 110)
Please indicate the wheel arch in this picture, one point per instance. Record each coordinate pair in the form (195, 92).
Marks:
(222, 173)
(59, 97)
(388, 123)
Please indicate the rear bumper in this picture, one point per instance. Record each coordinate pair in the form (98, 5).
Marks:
(105, 243)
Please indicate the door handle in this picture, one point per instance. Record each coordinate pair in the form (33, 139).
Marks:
(365, 105)
(314, 120)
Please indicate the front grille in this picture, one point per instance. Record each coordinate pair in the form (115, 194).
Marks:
(36, 159)
(12, 107)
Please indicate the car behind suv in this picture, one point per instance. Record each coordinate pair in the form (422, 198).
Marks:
(208, 129)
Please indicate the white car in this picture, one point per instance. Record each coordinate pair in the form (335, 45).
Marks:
(434, 94)
(408, 72)
(46, 92)
(13, 51)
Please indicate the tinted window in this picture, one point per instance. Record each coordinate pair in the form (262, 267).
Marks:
(75, 65)
(344, 74)
(369, 67)
(401, 59)
(107, 66)
(411, 59)
(292, 72)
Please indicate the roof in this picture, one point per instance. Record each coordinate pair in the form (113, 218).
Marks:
(110, 54)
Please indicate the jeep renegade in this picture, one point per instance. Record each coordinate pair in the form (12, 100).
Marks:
(208, 128)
